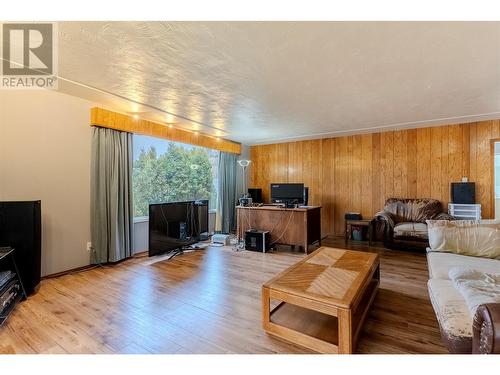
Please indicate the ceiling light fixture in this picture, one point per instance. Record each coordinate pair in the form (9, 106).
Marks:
(136, 117)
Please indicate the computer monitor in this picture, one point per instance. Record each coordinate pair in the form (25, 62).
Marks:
(256, 195)
(287, 193)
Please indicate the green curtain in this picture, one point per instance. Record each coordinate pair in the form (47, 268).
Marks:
(111, 195)
(226, 200)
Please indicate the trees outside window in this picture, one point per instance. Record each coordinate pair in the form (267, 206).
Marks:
(169, 171)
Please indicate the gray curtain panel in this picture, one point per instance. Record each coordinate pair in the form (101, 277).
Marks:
(111, 195)
(227, 191)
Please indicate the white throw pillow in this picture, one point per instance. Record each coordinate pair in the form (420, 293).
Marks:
(466, 237)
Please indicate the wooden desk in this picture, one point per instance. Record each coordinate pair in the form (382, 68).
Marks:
(287, 226)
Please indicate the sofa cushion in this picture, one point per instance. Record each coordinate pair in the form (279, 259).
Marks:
(466, 237)
(417, 230)
(478, 288)
(452, 314)
(439, 264)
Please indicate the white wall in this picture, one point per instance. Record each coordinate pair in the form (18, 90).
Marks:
(45, 154)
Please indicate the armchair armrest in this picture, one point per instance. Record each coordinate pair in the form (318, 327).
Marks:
(386, 216)
(486, 329)
(383, 225)
(444, 216)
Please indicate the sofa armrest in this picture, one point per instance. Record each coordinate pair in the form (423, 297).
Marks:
(383, 225)
(385, 216)
(486, 329)
(444, 216)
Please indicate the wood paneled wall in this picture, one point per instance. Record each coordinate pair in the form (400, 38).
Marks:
(359, 172)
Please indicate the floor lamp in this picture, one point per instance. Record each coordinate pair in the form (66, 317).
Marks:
(244, 164)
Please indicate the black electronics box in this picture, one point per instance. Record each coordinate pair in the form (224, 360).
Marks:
(463, 192)
(256, 195)
(353, 216)
(257, 240)
(245, 202)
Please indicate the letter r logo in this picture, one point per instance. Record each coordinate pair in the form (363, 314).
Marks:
(27, 49)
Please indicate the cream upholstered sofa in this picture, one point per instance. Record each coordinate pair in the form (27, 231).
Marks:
(473, 245)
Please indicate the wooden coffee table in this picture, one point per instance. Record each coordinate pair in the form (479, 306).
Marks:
(322, 300)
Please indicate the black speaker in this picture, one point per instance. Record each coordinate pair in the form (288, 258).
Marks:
(257, 240)
(256, 195)
(21, 228)
(201, 219)
(463, 192)
(306, 196)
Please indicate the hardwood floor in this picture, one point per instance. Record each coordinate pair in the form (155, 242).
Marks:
(206, 302)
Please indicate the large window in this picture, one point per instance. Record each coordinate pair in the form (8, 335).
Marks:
(170, 171)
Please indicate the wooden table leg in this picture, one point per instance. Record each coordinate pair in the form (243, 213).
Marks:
(345, 331)
(266, 308)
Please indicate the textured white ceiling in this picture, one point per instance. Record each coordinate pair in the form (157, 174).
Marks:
(271, 81)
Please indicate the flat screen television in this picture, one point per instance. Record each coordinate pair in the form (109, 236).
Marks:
(174, 225)
(21, 228)
(287, 192)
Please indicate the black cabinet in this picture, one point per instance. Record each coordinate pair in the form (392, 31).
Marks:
(21, 229)
(11, 286)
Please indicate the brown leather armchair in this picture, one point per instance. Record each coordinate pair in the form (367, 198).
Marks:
(486, 329)
(401, 223)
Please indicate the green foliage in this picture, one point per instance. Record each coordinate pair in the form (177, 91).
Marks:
(179, 174)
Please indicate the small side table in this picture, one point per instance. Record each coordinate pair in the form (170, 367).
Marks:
(363, 223)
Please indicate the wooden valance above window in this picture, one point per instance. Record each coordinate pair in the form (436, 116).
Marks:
(119, 121)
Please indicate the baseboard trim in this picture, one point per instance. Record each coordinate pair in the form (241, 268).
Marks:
(73, 270)
(91, 266)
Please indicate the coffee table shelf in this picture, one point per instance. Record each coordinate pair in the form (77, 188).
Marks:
(324, 300)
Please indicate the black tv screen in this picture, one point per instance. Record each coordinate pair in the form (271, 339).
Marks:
(174, 225)
(288, 192)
